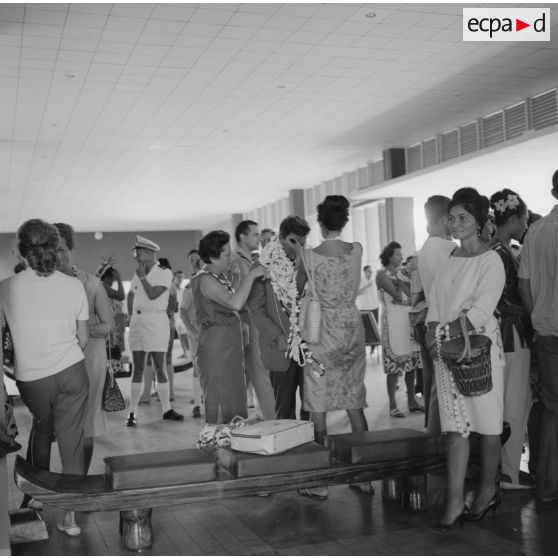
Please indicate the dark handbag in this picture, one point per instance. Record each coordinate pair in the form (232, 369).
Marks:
(112, 396)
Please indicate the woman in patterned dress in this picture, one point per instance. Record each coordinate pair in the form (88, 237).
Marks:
(334, 268)
(398, 353)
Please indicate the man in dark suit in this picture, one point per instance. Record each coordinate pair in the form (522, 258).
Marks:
(271, 319)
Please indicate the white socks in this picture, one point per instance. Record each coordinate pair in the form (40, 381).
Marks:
(135, 394)
(164, 393)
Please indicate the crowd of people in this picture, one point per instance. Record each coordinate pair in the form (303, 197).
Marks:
(245, 314)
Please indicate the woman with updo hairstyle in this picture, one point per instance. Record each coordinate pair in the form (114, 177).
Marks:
(399, 356)
(511, 216)
(334, 268)
(47, 314)
(220, 355)
(469, 282)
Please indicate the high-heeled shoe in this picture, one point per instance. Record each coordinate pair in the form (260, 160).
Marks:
(445, 527)
(492, 505)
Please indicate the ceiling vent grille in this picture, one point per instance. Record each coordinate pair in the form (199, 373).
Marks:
(544, 110)
(515, 120)
(449, 145)
(493, 129)
(429, 153)
(469, 138)
(414, 158)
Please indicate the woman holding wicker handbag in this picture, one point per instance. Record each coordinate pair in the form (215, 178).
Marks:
(470, 382)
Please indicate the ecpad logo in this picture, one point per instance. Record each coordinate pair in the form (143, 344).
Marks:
(506, 24)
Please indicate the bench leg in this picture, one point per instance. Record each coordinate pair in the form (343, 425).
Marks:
(415, 494)
(392, 490)
(135, 528)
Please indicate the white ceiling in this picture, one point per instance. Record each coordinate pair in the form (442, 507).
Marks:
(174, 116)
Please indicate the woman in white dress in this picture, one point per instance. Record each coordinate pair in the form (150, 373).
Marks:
(470, 281)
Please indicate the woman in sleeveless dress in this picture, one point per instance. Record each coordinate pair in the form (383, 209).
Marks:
(399, 354)
(220, 355)
(101, 323)
(334, 268)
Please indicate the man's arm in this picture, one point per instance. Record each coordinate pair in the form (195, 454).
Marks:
(524, 287)
(151, 291)
(258, 312)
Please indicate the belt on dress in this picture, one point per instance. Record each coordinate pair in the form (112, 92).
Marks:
(150, 311)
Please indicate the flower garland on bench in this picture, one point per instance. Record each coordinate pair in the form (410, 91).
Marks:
(282, 275)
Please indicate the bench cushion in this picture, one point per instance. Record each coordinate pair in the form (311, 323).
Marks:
(160, 468)
(301, 458)
(382, 445)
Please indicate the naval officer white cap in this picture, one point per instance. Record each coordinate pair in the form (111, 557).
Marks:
(142, 242)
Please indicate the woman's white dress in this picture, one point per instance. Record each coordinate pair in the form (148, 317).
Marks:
(473, 284)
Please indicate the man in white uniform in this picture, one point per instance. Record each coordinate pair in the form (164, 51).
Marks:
(149, 325)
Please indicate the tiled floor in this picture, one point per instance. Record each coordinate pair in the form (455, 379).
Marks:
(348, 523)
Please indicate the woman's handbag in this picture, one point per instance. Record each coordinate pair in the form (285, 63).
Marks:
(468, 359)
(112, 396)
(310, 311)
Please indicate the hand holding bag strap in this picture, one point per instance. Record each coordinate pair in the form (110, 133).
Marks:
(466, 354)
(311, 280)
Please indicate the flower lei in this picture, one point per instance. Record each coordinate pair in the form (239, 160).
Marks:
(218, 435)
(511, 202)
(282, 275)
(451, 397)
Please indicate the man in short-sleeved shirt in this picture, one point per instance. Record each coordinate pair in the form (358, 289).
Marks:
(149, 325)
(538, 280)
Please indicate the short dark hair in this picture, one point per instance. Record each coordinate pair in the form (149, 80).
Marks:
(388, 252)
(243, 228)
(473, 202)
(177, 272)
(555, 181)
(435, 208)
(107, 274)
(333, 212)
(264, 231)
(67, 233)
(37, 242)
(499, 202)
(293, 224)
(213, 244)
(164, 263)
(366, 267)
(194, 251)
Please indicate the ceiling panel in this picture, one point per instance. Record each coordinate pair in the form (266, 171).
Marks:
(224, 107)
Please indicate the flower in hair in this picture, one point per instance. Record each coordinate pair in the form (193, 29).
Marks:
(513, 201)
(500, 206)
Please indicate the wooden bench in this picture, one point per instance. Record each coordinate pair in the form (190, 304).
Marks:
(92, 493)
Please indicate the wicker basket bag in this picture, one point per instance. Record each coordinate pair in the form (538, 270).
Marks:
(468, 359)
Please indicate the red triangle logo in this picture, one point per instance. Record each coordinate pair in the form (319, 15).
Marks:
(519, 25)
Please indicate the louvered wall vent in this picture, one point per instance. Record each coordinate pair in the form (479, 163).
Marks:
(544, 110)
(492, 131)
(515, 120)
(414, 158)
(429, 153)
(449, 145)
(469, 138)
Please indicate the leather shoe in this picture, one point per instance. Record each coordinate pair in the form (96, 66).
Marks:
(171, 414)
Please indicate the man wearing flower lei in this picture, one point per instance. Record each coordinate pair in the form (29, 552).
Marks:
(274, 307)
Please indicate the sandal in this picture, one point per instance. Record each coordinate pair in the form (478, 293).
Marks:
(319, 493)
(364, 487)
(416, 408)
(396, 413)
